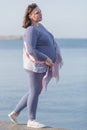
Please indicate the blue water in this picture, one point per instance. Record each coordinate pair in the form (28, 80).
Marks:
(64, 105)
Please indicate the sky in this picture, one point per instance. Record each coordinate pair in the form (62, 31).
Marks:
(63, 18)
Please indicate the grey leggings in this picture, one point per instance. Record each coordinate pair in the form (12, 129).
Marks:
(30, 99)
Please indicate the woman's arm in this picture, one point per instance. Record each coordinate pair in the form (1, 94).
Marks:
(31, 36)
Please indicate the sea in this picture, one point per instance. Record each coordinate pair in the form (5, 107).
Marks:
(64, 104)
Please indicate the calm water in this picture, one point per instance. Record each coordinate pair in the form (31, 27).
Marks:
(65, 103)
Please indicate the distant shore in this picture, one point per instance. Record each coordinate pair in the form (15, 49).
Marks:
(20, 37)
(11, 37)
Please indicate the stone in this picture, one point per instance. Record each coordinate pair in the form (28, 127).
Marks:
(10, 126)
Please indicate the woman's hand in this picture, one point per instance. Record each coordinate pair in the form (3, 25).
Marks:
(49, 62)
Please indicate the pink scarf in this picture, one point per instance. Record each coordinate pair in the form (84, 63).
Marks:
(51, 72)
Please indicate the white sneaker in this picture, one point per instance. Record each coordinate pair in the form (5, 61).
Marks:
(34, 124)
(12, 117)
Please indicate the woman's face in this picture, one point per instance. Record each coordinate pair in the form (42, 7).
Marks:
(36, 15)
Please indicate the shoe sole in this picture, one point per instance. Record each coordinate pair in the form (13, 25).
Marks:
(12, 120)
(35, 127)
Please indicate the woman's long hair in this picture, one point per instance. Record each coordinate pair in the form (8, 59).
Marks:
(27, 20)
